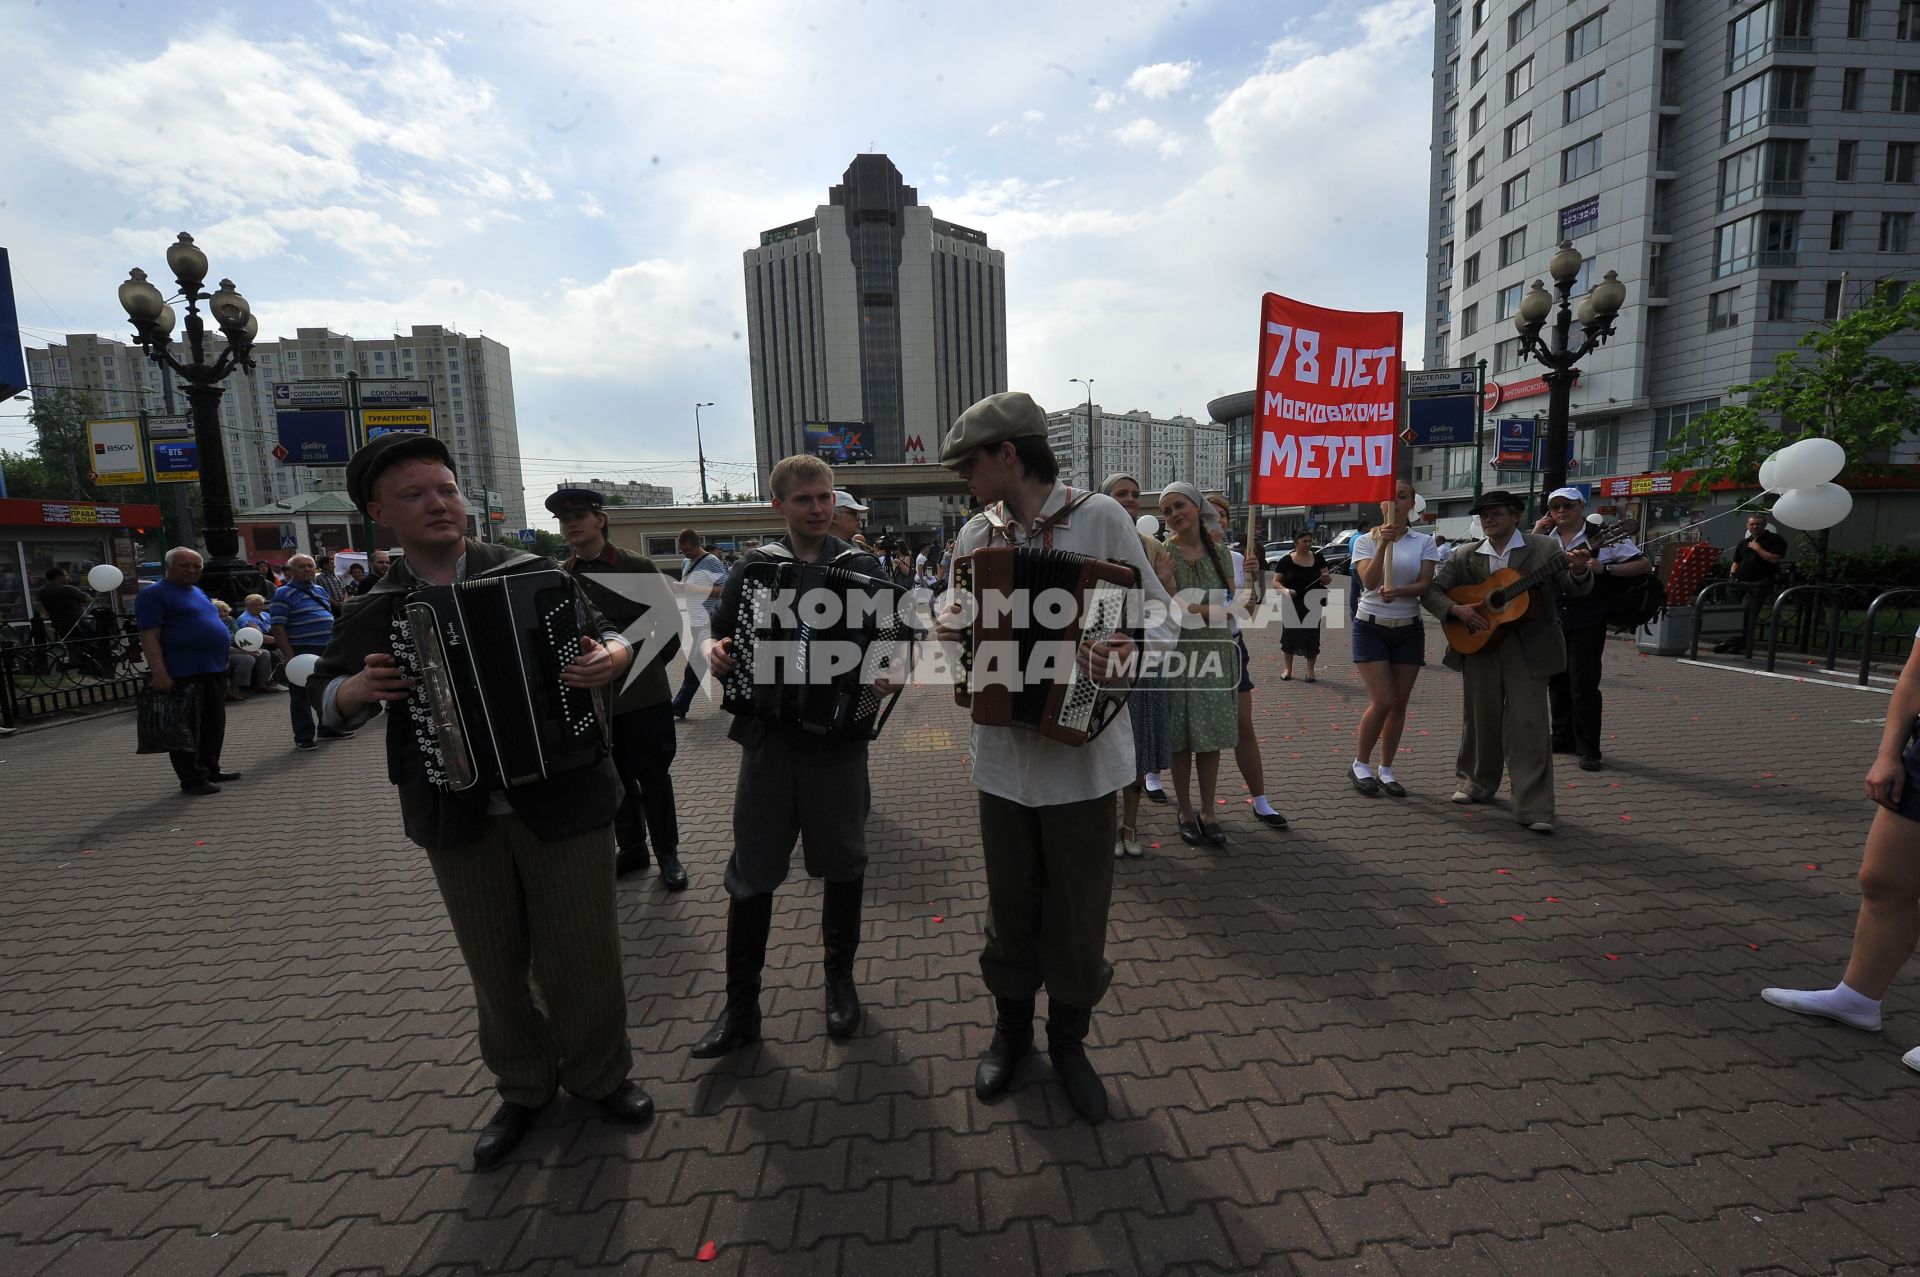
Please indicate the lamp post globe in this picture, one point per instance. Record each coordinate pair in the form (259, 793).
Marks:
(141, 300)
(187, 262)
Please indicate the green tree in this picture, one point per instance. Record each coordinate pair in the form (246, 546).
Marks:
(59, 418)
(551, 544)
(1836, 383)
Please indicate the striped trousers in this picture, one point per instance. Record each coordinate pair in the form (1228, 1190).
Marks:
(537, 927)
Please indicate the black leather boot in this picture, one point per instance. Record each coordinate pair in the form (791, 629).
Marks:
(748, 922)
(1066, 1047)
(502, 1134)
(840, 936)
(1012, 1039)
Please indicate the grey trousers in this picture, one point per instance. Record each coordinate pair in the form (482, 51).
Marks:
(1049, 882)
(1507, 728)
(791, 788)
(532, 915)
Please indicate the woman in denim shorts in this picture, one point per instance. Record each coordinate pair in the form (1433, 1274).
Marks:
(1889, 923)
(1389, 642)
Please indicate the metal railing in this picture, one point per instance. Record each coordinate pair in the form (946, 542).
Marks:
(1839, 594)
(42, 679)
(1700, 601)
(1866, 638)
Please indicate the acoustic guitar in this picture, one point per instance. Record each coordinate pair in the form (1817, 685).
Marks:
(1509, 593)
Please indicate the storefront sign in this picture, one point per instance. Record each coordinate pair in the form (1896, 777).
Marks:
(177, 427)
(1641, 485)
(19, 512)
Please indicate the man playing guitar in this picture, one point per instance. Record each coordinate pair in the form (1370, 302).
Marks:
(1504, 684)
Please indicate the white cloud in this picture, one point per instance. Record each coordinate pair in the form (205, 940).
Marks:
(1146, 133)
(1162, 79)
(1106, 100)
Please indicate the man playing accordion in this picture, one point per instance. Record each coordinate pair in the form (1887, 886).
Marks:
(526, 872)
(1047, 807)
(794, 784)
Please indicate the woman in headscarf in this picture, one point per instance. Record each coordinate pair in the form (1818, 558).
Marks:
(1152, 733)
(1246, 754)
(1206, 665)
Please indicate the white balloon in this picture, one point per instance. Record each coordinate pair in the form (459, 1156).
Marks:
(105, 576)
(1419, 504)
(248, 639)
(1148, 525)
(1807, 464)
(1811, 509)
(1769, 473)
(300, 668)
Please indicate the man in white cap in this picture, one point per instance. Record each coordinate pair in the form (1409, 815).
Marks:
(847, 518)
(1574, 693)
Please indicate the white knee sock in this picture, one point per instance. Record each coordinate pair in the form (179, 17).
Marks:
(1838, 1003)
(1153, 782)
(1262, 807)
(1361, 771)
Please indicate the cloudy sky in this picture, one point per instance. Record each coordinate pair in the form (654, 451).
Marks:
(578, 179)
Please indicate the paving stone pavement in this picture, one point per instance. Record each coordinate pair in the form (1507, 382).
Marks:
(1404, 1037)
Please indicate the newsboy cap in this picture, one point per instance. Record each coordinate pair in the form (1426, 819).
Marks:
(563, 500)
(1496, 497)
(367, 464)
(1011, 414)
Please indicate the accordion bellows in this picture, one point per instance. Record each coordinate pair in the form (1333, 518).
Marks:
(808, 642)
(1031, 610)
(488, 707)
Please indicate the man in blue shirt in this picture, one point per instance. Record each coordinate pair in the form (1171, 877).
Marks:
(185, 643)
(302, 618)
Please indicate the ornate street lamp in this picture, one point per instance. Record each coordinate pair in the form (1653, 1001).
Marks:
(1597, 311)
(227, 576)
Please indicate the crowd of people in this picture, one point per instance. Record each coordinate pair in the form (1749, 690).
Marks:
(527, 872)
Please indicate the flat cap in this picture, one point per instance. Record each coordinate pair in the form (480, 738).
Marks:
(1497, 497)
(1011, 414)
(563, 500)
(366, 465)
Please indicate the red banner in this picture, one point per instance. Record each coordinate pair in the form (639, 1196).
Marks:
(1329, 410)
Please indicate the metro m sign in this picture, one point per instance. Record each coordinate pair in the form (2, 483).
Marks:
(1329, 404)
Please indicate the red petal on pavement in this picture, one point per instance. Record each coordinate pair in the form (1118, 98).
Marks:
(708, 1252)
(1753, 946)
(1809, 866)
(1766, 775)
(1553, 900)
(939, 917)
(1154, 845)
(1613, 957)
(1219, 802)
(200, 844)
(1439, 900)
(1503, 871)
(1627, 818)
(1518, 917)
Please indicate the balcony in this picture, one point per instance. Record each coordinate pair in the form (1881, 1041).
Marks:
(1787, 115)
(1782, 187)
(1781, 257)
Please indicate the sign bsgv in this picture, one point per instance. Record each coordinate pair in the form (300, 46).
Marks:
(1329, 404)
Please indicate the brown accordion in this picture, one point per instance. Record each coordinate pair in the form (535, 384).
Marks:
(1018, 656)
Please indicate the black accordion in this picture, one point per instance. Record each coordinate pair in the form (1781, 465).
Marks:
(488, 707)
(1018, 659)
(808, 644)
